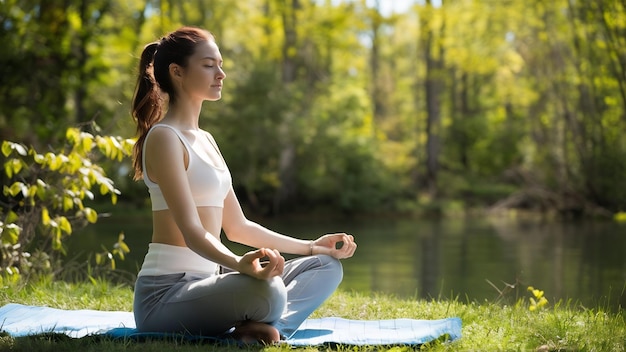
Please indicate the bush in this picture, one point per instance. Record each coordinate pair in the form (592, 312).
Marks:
(43, 200)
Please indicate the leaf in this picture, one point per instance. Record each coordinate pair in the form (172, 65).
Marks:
(13, 167)
(128, 146)
(55, 163)
(39, 158)
(103, 188)
(90, 215)
(20, 149)
(86, 142)
(122, 245)
(15, 188)
(11, 217)
(8, 170)
(25, 191)
(56, 238)
(10, 233)
(49, 158)
(99, 259)
(45, 216)
(72, 134)
(68, 203)
(65, 225)
(41, 189)
(16, 166)
(6, 148)
(33, 190)
(74, 162)
(105, 147)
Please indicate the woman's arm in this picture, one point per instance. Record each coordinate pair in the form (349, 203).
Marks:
(166, 165)
(241, 230)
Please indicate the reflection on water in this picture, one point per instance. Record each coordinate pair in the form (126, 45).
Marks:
(468, 259)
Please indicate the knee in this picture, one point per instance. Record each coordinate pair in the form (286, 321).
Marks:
(332, 266)
(271, 299)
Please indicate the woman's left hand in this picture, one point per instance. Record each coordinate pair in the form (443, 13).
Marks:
(328, 244)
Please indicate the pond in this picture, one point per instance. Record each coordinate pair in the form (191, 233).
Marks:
(470, 259)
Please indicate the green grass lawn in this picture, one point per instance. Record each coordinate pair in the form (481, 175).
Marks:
(486, 326)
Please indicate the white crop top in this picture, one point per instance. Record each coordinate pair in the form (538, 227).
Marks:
(209, 184)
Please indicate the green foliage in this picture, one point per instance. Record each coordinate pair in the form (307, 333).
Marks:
(120, 249)
(339, 166)
(337, 89)
(44, 198)
(538, 301)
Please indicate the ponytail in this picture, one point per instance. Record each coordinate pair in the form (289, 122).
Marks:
(147, 104)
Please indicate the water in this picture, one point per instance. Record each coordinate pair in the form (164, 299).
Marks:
(472, 259)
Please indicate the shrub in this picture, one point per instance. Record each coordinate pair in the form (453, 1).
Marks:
(43, 199)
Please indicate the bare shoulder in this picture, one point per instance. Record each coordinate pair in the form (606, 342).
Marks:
(163, 146)
(162, 138)
(162, 133)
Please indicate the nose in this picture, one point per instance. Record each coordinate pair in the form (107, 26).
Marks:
(220, 73)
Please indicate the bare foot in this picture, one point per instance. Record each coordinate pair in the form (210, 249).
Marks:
(251, 332)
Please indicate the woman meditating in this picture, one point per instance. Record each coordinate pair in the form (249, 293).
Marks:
(190, 282)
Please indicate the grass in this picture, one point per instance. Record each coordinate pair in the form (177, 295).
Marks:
(486, 326)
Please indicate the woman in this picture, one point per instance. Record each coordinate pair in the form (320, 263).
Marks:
(189, 281)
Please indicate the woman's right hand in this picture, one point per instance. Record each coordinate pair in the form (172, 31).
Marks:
(250, 263)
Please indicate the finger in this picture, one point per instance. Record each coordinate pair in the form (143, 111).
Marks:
(280, 267)
(348, 249)
(271, 257)
(353, 249)
(275, 256)
(276, 263)
(259, 253)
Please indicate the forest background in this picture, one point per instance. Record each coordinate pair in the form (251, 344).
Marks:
(337, 105)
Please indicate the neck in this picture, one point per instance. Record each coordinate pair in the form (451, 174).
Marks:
(184, 114)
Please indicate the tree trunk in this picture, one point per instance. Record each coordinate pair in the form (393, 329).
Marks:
(433, 56)
(287, 156)
(377, 91)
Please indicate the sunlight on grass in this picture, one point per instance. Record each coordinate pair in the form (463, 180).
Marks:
(486, 326)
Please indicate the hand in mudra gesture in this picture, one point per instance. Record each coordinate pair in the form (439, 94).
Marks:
(272, 265)
(337, 245)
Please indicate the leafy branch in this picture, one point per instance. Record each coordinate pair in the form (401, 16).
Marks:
(44, 197)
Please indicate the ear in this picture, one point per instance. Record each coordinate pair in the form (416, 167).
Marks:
(175, 70)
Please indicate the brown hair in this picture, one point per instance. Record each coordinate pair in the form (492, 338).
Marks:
(154, 78)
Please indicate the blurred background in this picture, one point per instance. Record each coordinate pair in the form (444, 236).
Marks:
(344, 109)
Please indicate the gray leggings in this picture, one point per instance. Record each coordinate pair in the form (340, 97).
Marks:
(212, 305)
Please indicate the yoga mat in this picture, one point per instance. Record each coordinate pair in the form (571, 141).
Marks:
(23, 320)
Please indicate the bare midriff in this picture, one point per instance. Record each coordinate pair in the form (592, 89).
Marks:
(166, 231)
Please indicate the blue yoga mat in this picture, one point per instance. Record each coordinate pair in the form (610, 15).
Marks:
(23, 320)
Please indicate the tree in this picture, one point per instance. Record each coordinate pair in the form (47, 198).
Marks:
(431, 42)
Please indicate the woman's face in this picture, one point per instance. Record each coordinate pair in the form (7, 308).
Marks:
(203, 76)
